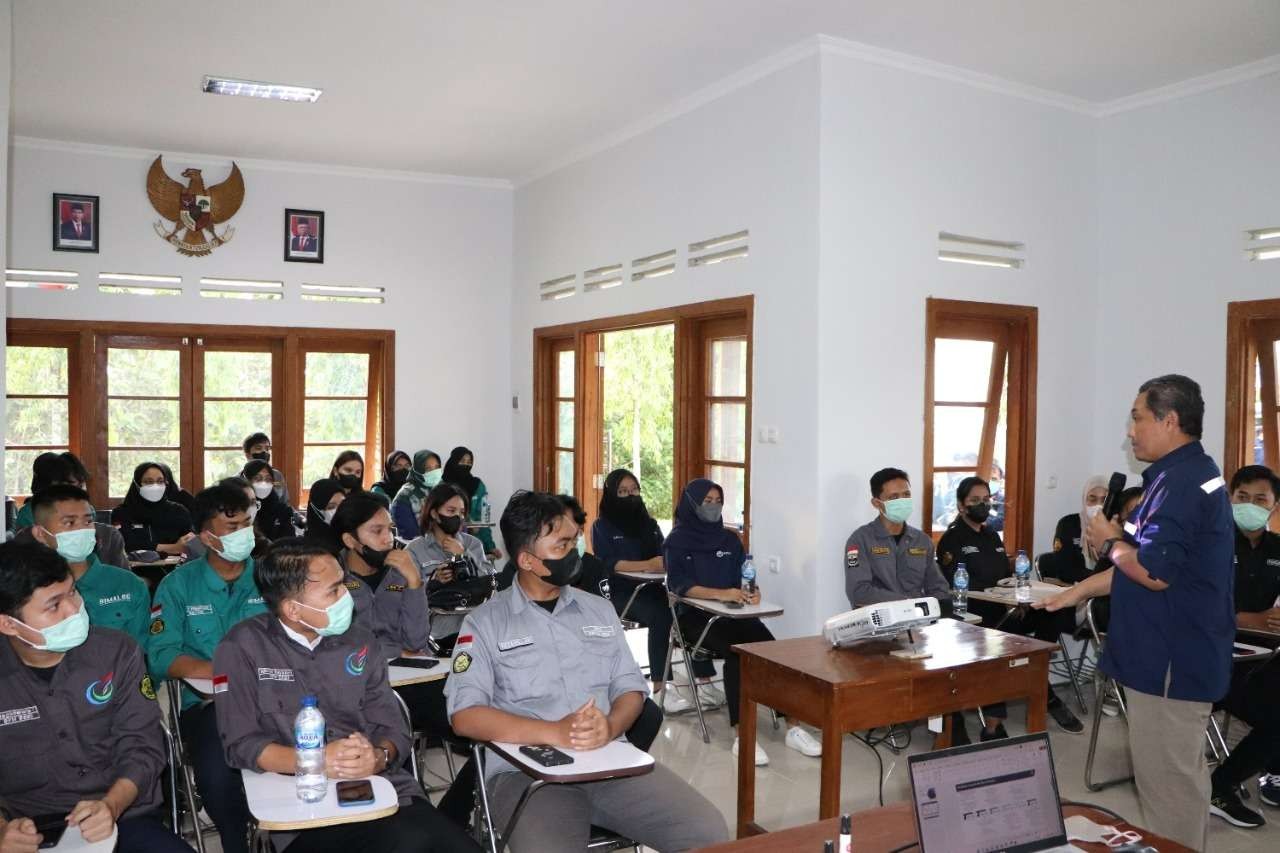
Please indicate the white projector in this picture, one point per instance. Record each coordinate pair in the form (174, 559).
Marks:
(887, 619)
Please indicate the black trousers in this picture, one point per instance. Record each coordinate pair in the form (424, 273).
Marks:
(723, 634)
(1254, 697)
(651, 610)
(415, 828)
(427, 707)
(220, 787)
(146, 834)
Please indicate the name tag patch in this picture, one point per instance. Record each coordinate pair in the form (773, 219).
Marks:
(115, 599)
(199, 609)
(1211, 486)
(880, 551)
(601, 631)
(352, 584)
(19, 715)
(266, 673)
(518, 642)
(917, 552)
(968, 549)
(395, 587)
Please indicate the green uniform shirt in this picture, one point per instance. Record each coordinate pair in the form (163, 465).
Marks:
(116, 598)
(25, 517)
(194, 609)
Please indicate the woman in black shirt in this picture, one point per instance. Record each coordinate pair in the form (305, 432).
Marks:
(146, 519)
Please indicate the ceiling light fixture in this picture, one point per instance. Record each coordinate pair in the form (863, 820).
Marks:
(1266, 254)
(256, 89)
(980, 260)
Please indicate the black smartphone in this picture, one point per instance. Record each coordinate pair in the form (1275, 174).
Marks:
(733, 605)
(51, 826)
(547, 756)
(416, 663)
(355, 793)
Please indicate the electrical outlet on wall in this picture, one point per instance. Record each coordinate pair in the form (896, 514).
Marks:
(775, 565)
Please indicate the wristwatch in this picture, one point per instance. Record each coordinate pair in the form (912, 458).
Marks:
(386, 757)
(1105, 551)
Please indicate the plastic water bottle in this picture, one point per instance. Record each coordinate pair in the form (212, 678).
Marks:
(1022, 578)
(308, 741)
(486, 512)
(748, 576)
(960, 591)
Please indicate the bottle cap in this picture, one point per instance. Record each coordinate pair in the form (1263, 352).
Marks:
(829, 847)
(308, 701)
(845, 824)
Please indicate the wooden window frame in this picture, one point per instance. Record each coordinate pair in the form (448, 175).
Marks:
(76, 372)
(692, 324)
(1013, 331)
(1253, 327)
(88, 386)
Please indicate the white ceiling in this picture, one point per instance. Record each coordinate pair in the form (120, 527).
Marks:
(500, 88)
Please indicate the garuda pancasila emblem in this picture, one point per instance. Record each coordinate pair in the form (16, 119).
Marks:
(194, 209)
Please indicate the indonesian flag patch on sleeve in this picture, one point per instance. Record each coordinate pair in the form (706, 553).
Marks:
(851, 558)
(220, 684)
(464, 641)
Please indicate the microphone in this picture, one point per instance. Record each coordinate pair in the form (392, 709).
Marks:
(1111, 505)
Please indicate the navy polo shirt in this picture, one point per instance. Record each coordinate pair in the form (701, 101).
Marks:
(1185, 536)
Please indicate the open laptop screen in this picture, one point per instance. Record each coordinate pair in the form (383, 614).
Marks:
(997, 796)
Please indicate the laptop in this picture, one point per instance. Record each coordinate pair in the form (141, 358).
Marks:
(995, 797)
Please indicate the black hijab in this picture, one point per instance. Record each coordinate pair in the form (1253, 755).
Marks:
(174, 492)
(460, 475)
(629, 515)
(139, 509)
(691, 533)
(318, 530)
(392, 480)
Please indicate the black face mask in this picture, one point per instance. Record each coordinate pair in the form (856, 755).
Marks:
(450, 524)
(261, 455)
(464, 468)
(376, 559)
(398, 478)
(632, 505)
(349, 481)
(565, 570)
(978, 513)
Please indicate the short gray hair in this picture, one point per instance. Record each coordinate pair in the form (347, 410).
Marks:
(1176, 393)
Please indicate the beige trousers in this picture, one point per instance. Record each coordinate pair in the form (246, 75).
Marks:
(1166, 742)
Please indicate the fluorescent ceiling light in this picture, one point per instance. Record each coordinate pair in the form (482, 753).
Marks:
(556, 282)
(241, 282)
(948, 237)
(556, 296)
(138, 291)
(257, 89)
(980, 260)
(42, 285)
(341, 288)
(237, 294)
(44, 273)
(1263, 234)
(718, 241)
(1264, 254)
(128, 276)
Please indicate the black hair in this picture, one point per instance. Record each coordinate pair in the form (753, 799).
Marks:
(221, 498)
(967, 485)
(343, 458)
(884, 475)
(1176, 393)
(47, 469)
(528, 516)
(438, 497)
(236, 482)
(75, 467)
(1254, 473)
(358, 508)
(147, 466)
(24, 568)
(256, 438)
(1128, 495)
(574, 508)
(283, 570)
(254, 467)
(75, 205)
(58, 492)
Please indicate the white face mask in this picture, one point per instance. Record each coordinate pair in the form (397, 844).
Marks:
(1091, 511)
(262, 489)
(152, 491)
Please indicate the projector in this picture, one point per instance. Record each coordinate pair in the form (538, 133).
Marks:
(887, 619)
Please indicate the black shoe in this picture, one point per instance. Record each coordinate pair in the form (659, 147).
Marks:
(1227, 805)
(1066, 720)
(998, 734)
(959, 734)
(1269, 789)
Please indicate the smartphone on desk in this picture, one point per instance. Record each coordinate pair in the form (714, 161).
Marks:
(416, 663)
(547, 756)
(355, 793)
(51, 826)
(733, 605)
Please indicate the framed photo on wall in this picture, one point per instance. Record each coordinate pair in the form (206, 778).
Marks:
(75, 223)
(304, 236)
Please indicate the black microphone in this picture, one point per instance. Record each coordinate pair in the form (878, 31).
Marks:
(1111, 505)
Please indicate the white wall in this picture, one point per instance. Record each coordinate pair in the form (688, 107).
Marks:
(747, 160)
(1179, 184)
(442, 251)
(6, 82)
(905, 156)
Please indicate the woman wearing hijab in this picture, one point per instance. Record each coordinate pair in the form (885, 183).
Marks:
(323, 501)
(348, 471)
(704, 560)
(627, 539)
(458, 471)
(406, 505)
(1073, 560)
(395, 473)
(146, 519)
(176, 493)
(275, 518)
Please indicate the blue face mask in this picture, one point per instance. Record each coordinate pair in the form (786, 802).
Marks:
(582, 547)
(1250, 517)
(339, 614)
(64, 636)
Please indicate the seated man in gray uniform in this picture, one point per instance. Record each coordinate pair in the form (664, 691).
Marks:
(887, 559)
(544, 663)
(81, 749)
(305, 645)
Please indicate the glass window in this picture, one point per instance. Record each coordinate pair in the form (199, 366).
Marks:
(733, 480)
(335, 412)
(727, 432)
(143, 419)
(729, 368)
(961, 370)
(957, 435)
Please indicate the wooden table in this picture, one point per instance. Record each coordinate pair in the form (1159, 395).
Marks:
(864, 687)
(883, 829)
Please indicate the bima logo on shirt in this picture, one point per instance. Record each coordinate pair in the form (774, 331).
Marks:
(100, 692)
(356, 661)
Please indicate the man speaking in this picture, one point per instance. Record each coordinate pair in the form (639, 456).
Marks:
(1172, 625)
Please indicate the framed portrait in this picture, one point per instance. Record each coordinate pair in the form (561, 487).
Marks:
(304, 236)
(75, 223)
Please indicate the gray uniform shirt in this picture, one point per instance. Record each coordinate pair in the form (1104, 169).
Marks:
(515, 656)
(429, 556)
(397, 616)
(71, 739)
(267, 674)
(876, 568)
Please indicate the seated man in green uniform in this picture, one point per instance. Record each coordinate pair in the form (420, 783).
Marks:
(114, 597)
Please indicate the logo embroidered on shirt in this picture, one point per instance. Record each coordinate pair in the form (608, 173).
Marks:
(13, 716)
(603, 586)
(100, 692)
(461, 663)
(722, 554)
(147, 689)
(255, 600)
(518, 642)
(115, 599)
(463, 641)
(157, 627)
(199, 609)
(356, 661)
(597, 631)
(220, 684)
(266, 673)
(395, 587)
(851, 558)
(968, 549)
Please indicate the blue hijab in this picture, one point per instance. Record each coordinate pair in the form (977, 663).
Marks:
(691, 533)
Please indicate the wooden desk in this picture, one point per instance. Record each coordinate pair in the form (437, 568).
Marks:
(864, 687)
(883, 829)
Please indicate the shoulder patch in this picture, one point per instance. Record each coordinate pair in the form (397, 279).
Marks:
(851, 558)
(947, 558)
(1057, 544)
(157, 626)
(462, 662)
(147, 689)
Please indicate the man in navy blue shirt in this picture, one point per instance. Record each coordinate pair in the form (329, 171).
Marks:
(1172, 609)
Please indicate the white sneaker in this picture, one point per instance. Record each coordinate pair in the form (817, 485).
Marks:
(673, 702)
(803, 742)
(761, 758)
(710, 696)
(1111, 704)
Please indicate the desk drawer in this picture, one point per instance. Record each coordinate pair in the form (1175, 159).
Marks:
(969, 686)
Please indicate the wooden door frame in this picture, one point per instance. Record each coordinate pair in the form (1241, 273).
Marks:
(1246, 321)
